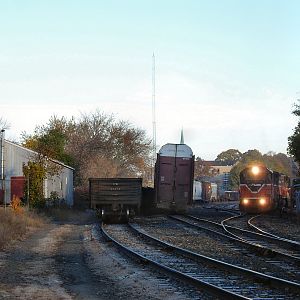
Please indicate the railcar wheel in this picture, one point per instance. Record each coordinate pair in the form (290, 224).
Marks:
(103, 215)
(127, 215)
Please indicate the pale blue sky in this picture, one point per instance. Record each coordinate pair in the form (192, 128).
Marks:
(226, 71)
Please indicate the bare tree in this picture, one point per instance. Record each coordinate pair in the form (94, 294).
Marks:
(96, 145)
(4, 124)
(104, 147)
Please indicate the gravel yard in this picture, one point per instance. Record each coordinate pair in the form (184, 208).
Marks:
(285, 226)
(282, 226)
(68, 258)
(208, 245)
(71, 260)
(209, 212)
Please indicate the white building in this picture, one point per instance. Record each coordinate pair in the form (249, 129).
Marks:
(12, 161)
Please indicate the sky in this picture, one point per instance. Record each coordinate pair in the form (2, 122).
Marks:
(227, 72)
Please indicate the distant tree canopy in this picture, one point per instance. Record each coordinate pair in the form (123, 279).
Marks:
(229, 157)
(276, 162)
(294, 140)
(201, 169)
(96, 145)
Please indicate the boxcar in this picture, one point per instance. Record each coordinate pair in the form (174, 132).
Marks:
(197, 190)
(214, 192)
(115, 198)
(174, 173)
(206, 191)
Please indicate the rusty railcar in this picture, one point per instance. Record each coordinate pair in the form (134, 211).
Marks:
(174, 174)
(115, 199)
(206, 191)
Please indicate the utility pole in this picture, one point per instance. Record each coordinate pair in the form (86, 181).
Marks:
(2, 167)
(153, 118)
(28, 186)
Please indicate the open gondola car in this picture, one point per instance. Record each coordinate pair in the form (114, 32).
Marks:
(115, 199)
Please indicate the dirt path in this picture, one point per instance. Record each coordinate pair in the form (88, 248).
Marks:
(28, 270)
(73, 261)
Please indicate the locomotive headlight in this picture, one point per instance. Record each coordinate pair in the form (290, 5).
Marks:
(245, 201)
(262, 201)
(255, 170)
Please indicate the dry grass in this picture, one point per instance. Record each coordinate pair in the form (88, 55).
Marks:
(14, 225)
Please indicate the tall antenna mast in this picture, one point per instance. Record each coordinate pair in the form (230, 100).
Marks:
(153, 113)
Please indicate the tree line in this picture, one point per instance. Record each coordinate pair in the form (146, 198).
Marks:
(98, 145)
(294, 139)
(95, 145)
(278, 162)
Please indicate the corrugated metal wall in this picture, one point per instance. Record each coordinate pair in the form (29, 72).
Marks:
(16, 156)
(62, 184)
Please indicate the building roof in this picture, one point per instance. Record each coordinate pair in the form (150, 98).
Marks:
(215, 163)
(34, 152)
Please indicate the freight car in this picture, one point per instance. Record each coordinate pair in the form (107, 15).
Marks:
(197, 190)
(173, 182)
(206, 191)
(295, 193)
(262, 189)
(214, 192)
(116, 199)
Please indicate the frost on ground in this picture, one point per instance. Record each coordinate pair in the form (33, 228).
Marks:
(72, 261)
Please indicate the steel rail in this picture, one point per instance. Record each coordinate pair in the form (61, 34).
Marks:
(182, 276)
(273, 281)
(256, 245)
(244, 243)
(288, 241)
(263, 234)
(259, 236)
(286, 263)
(237, 229)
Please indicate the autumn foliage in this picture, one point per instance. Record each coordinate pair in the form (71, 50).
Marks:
(96, 145)
(16, 205)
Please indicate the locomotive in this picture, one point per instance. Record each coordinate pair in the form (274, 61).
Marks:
(263, 190)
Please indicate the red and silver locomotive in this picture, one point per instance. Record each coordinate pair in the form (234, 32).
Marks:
(262, 189)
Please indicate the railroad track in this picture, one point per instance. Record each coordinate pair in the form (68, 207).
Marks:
(222, 279)
(276, 245)
(262, 243)
(233, 209)
(288, 241)
(278, 259)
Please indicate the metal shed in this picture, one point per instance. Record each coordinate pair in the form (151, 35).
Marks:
(12, 178)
